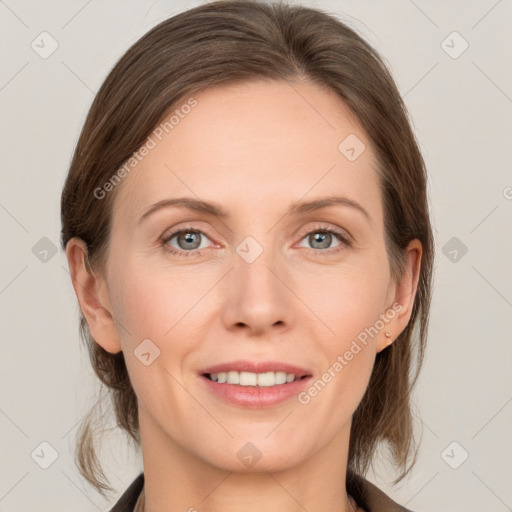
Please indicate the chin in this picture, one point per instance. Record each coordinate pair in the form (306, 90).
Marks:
(254, 457)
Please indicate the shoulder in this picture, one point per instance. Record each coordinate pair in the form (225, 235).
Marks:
(127, 501)
(369, 497)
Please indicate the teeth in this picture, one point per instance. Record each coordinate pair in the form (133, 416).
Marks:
(252, 379)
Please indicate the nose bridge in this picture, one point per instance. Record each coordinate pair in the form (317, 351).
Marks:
(258, 295)
(256, 264)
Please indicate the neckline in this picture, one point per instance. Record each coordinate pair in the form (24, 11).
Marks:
(139, 504)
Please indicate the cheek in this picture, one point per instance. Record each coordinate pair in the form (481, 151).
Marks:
(159, 302)
(350, 302)
(347, 299)
(148, 302)
(152, 304)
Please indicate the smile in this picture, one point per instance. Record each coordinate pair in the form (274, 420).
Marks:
(266, 379)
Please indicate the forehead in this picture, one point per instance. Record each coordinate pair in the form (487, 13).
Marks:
(256, 144)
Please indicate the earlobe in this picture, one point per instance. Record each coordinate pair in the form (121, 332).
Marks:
(404, 295)
(92, 293)
(385, 340)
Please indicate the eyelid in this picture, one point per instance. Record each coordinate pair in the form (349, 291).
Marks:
(172, 232)
(344, 237)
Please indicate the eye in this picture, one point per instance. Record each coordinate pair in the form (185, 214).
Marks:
(321, 237)
(188, 239)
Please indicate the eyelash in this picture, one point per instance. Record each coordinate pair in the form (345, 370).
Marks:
(345, 241)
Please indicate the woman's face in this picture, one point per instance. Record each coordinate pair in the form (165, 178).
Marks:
(265, 284)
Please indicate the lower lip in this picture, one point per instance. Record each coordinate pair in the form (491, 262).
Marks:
(256, 396)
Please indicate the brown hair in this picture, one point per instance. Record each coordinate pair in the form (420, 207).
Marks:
(230, 41)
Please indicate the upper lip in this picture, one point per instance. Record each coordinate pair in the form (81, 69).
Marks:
(257, 367)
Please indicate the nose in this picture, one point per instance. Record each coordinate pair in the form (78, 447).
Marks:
(257, 298)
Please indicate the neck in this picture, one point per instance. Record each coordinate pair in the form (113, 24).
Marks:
(176, 479)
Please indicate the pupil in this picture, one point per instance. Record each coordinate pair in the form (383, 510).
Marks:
(322, 237)
(190, 238)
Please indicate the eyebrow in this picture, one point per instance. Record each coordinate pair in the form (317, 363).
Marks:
(298, 207)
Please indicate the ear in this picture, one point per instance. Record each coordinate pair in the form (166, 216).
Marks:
(402, 296)
(92, 293)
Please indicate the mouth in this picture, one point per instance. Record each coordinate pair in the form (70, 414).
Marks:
(250, 374)
(243, 378)
(255, 385)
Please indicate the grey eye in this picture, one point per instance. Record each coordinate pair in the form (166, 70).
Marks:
(323, 239)
(187, 239)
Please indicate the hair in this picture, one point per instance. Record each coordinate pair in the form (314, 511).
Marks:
(237, 41)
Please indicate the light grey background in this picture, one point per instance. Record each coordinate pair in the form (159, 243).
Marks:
(462, 113)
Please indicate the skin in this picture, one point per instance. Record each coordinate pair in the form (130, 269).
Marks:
(254, 148)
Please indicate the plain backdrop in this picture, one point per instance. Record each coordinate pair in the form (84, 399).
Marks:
(451, 61)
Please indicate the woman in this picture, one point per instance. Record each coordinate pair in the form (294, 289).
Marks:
(246, 224)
